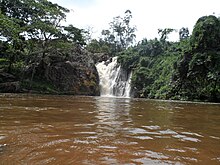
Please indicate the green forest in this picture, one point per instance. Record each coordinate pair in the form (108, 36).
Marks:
(39, 54)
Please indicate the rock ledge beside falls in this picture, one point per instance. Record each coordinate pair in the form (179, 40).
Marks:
(58, 74)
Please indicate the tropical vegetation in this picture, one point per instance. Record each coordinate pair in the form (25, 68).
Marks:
(32, 37)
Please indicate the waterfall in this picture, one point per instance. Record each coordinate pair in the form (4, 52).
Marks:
(128, 86)
(114, 81)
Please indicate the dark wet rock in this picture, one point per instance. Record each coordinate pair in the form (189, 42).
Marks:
(73, 78)
(99, 57)
(10, 87)
(8, 83)
(7, 77)
(2, 147)
(75, 74)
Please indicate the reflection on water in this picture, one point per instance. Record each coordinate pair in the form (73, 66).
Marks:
(38, 129)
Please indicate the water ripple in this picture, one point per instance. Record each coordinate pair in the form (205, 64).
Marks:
(185, 138)
(152, 127)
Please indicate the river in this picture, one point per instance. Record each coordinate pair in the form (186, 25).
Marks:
(44, 129)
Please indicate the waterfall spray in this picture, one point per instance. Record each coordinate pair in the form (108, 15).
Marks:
(113, 80)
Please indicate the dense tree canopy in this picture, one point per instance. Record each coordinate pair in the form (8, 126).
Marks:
(188, 69)
(28, 27)
(118, 37)
(206, 33)
(32, 37)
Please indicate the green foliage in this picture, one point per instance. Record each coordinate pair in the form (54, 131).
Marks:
(128, 59)
(188, 69)
(3, 63)
(31, 29)
(155, 73)
(75, 35)
(134, 55)
(149, 48)
(183, 33)
(197, 76)
(120, 34)
(202, 81)
(31, 33)
(101, 46)
(164, 33)
(31, 37)
(9, 28)
(206, 34)
(39, 87)
(152, 67)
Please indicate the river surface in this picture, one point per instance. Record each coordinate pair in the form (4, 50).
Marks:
(36, 129)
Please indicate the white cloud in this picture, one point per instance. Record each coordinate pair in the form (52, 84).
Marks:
(148, 15)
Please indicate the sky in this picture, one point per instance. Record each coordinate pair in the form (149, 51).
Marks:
(148, 15)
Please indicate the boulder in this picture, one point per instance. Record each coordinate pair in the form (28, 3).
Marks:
(8, 83)
(75, 74)
(10, 87)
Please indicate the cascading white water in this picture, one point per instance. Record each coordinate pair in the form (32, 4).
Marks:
(128, 86)
(108, 72)
(113, 81)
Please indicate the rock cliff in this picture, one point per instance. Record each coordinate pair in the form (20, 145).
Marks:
(74, 73)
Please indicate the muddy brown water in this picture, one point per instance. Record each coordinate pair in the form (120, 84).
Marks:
(41, 129)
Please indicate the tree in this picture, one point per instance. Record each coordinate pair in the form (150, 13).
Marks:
(31, 30)
(149, 48)
(183, 33)
(120, 33)
(164, 33)
(88, 32)
(75, 34)
(196, 75)
(164, 36)
(101, 46)
(35, 23)
(206, 34)
(12, 41)
(28, 21)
